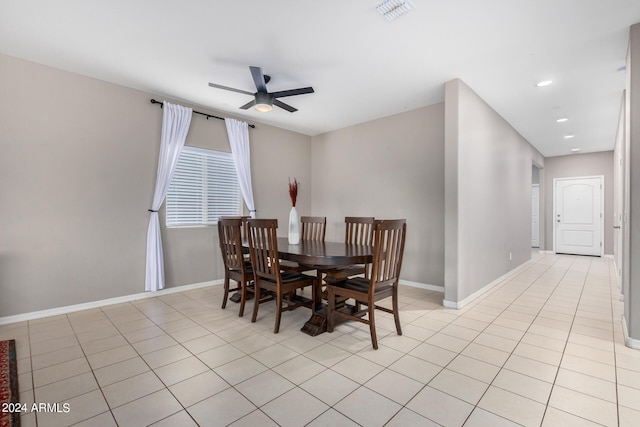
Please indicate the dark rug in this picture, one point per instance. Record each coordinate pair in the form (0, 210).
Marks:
(9, 413)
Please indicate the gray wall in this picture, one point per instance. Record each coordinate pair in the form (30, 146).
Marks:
(488, 194)
(276, 156)
(78, 160)
(631, 227)
(388, 168)
(579, 165)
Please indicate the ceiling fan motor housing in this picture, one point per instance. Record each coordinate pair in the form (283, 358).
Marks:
(264, 98)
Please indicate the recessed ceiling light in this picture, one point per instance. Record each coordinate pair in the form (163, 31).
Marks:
(569, 136)
(544, 83)
(575, 150)
(562, 120)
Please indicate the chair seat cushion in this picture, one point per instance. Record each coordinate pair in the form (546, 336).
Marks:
(294, 276)
(361, 284)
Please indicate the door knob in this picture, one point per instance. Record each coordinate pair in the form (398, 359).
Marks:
(616, 226)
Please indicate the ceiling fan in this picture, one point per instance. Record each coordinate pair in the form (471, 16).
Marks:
(263, 100)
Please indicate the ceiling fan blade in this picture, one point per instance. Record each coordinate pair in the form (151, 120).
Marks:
(258, 78)
(284, 106)
(248, 105)
(292, 92)
(230, 88)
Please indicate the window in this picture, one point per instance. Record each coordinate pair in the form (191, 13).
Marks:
(203, 188)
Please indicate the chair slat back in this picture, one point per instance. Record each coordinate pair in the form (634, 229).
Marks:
(263, 246)
(388, 249)
(245, 224)
(230, 235)
(358, 230)
(313, 228)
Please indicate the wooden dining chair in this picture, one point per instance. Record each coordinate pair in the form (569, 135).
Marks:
(236, 297)
(245, 224)
(263, 246)
(236, 266)
(388, 249)
(358, 231)
(313, 228)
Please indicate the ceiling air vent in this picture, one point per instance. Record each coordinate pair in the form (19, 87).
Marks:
(392, 9)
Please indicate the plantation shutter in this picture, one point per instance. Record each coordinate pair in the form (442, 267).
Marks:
(204, 188)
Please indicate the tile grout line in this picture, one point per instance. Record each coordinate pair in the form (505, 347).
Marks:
(611, 340)
(520, 340)
(230, 386)
(615, 351)
(475, 406)
(91, 367)
(460, 351)
(166, 387)
(565, 346)
(33, 381)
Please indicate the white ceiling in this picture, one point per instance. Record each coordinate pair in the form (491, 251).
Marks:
(361, 66)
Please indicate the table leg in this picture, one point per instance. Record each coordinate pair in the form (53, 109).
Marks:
(237, 296)
(317, 324)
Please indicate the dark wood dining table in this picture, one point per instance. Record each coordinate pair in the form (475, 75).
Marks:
(329, 258)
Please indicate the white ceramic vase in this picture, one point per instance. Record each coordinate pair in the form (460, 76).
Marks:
(294, 227)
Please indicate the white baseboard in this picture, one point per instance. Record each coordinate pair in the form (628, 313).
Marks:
(422, 286)
(628, 341)
(460, 304)
(553, 252)
(101, 303)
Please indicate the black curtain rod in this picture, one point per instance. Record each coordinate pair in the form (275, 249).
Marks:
(153, 101)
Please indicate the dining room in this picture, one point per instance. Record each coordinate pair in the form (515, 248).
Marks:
(95, 252)
(415, 165)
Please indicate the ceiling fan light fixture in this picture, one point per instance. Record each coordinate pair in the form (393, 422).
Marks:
(263, 108)
(392, 9)
(544, 83)
(264, 102)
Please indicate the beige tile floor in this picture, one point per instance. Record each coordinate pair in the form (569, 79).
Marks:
(544, 347)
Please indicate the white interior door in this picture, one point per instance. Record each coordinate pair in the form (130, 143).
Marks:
(535, 216)
(578, 216)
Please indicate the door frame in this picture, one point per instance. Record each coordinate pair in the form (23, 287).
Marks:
(539, 225)
(553, 217)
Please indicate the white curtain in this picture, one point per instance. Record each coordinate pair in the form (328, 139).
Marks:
(175, 125)
(238, 133)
